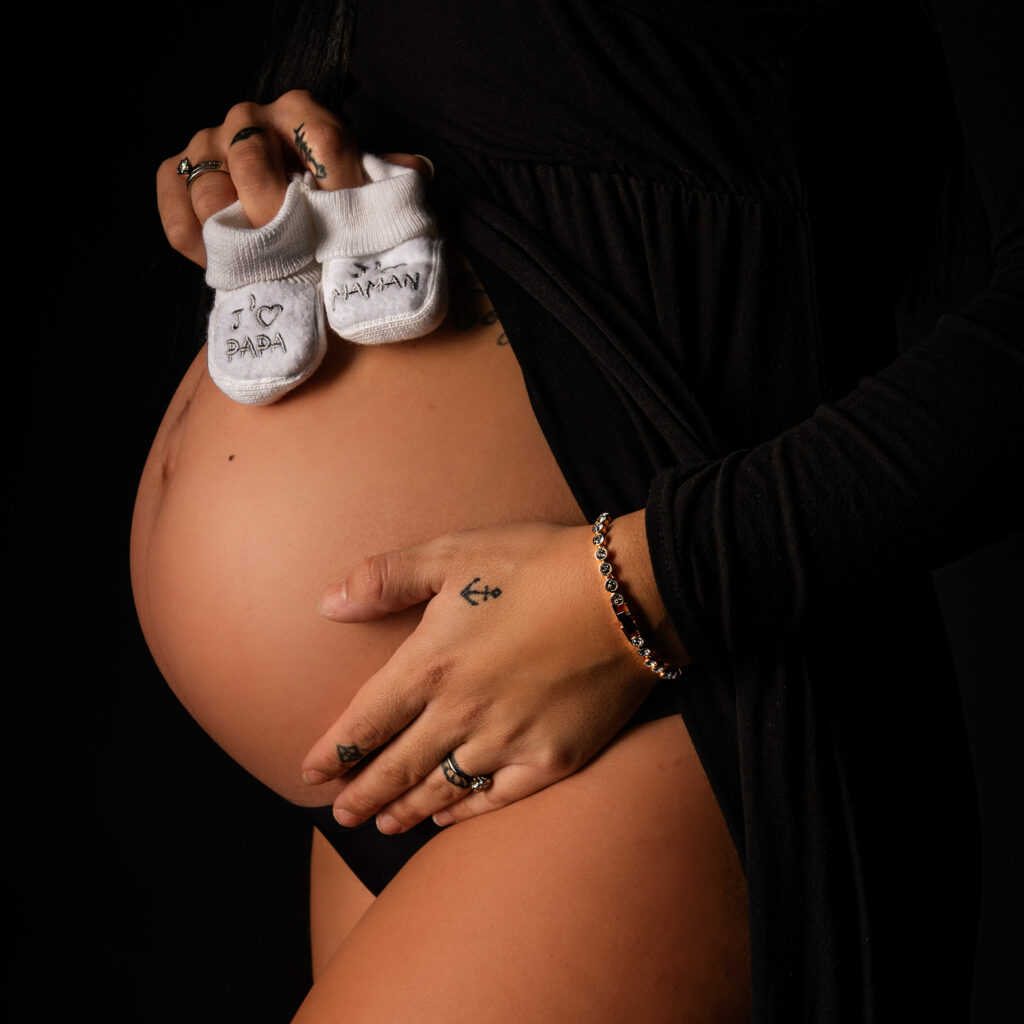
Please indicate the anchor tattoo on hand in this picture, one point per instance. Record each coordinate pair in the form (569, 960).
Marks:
(469, 593)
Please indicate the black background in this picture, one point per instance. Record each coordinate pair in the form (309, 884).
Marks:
(152, 879)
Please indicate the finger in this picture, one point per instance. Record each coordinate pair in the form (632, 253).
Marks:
(254, 158)
(389, 582)
(515, 782)
(186, 201)
(418, 163)
(421, 759)
(408, 774)
(440, 790)
(320, 140)
(183, 209)
(377, 713)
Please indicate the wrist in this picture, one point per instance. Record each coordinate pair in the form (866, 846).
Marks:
(628, 552)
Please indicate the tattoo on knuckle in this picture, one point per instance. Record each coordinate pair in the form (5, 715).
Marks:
(349, 754)
(305, 149)
(247, 133)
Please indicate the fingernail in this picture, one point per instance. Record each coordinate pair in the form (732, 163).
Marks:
(314, 778)
(388, 825)
(443, 819)
(429, 163)
(334, 600)
(346, 818)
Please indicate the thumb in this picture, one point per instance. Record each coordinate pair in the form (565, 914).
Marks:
(384, 583)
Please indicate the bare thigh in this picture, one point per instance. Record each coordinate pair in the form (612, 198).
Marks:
(615, 895)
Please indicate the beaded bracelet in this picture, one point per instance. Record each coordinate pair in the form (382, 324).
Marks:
(619, 606)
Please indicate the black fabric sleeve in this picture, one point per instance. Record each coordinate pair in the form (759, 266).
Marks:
(920, 464)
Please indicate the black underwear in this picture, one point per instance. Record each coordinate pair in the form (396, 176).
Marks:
(376, 858)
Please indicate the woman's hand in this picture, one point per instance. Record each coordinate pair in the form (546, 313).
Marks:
(258, 147)
(518, 668)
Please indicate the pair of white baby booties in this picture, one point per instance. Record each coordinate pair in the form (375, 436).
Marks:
(368, 261)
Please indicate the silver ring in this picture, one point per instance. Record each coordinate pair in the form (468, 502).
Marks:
(195, 170)
(457, 777)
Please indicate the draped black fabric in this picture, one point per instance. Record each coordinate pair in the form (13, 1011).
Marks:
(695, 221)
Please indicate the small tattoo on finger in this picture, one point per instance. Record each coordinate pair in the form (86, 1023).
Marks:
(307, 154)
(348, 755)
(247, 133)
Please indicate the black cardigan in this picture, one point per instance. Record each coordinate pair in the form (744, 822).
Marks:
(696, 221)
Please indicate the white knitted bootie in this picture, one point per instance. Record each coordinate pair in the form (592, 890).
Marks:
(381, 255)
(266, 333)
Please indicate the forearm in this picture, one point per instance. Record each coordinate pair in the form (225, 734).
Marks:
(917, 466)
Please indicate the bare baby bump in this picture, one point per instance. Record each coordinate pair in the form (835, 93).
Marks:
(245, 514)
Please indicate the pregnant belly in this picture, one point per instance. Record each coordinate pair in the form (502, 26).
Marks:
(245, 514)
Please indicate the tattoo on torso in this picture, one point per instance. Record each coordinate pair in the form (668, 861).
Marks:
(471, 307)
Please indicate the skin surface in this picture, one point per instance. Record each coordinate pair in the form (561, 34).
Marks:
(241, 514)
(245, 514)
(618, 889)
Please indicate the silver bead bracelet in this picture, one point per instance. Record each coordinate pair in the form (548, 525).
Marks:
(621, 608)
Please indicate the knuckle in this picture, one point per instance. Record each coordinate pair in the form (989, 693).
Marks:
(202, 146)
(403, 814)
(294, 98)
(448, 548)
(442, 789)
(210, 199)
(364, 734)
(493, 801)
(373, 575)
(322, 134)
(181, 234)
(557, 762)
(466, 713)
(168, 168)
(357, 803)
(395, 774)
(251, 161)
(245, 111)
(434, 670)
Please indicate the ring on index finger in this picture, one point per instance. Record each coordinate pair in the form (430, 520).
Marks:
(457, 777)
